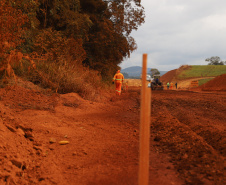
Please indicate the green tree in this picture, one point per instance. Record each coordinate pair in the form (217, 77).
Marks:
(64, 16)
(98, 29)
(126, 15)
(60, 31)
(109, 37)
(215, 61)
(154, 71)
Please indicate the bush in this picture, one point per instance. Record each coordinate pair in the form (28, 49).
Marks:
(62, 77)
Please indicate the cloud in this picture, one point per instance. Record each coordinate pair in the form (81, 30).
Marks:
(178, 32)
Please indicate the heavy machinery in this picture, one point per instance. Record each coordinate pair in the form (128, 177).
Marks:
(156, 84)
(149, 78)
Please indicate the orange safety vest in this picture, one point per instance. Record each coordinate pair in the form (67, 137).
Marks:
(118, 78)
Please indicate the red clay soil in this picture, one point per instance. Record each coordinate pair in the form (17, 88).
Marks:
(187, 144)
(169, 76)
(217, 84)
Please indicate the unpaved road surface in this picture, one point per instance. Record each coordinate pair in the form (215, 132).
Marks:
(187, 138)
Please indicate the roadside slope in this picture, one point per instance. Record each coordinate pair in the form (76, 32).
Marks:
(217, 84)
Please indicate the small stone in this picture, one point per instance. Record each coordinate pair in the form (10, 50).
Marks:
(17, 155)
(20, 132)
(63, 142)
(52, 140)
(29, 135)
(37, 148)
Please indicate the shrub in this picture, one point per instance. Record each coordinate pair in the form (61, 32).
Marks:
(62, 77)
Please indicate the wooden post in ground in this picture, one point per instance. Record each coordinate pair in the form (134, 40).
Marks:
(144, 147)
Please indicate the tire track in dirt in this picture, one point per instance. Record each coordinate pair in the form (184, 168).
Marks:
(190, 127)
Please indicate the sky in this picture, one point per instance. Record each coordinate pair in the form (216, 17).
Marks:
(180, 32)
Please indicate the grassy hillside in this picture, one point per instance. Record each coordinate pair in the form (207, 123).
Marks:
(202, 71)
(203, 81)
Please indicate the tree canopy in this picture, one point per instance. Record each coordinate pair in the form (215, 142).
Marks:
(11, 28)
(215, 61)
(154, 71)
(95, 33)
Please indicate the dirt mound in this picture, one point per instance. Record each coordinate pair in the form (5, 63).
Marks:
(169, 76)
(217, 84)
(19, 97)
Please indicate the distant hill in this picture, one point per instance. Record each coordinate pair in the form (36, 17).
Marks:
(135, 71)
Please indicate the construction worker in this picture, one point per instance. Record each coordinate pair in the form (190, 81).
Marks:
(118, 80)
(126, 86)
(168, 84)
(171, 85)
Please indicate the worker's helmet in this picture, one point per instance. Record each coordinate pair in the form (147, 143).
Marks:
(118, 71)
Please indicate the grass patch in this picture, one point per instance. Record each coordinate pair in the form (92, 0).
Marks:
(203, 81)
(202, 71)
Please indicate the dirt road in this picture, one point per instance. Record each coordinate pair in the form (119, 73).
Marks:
(187, 138)
(186, 84)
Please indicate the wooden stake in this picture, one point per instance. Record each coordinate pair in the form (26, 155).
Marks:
(144, 127)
